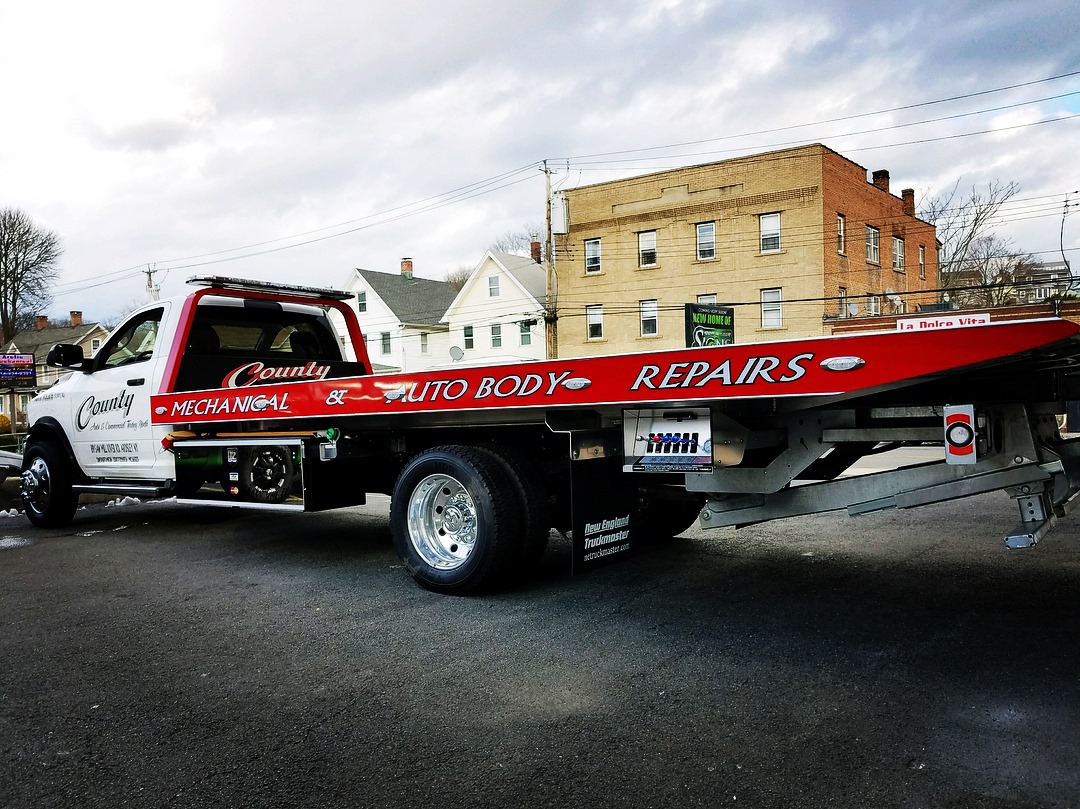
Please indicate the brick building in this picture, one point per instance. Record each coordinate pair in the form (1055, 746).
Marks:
(792, 239)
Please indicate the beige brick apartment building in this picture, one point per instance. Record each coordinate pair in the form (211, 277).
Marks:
(793, 239)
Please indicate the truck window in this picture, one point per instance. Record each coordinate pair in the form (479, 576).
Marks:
(133, 342)
(231, 346)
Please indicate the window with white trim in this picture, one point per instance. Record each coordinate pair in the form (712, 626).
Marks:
(592, 256)
(772, 309)
(594, 320)
(706, 241)
(646, 243)
(841, 234)
(710, 298)
(873, 245)
(423, 342)
(361, 302)
(525, 334)
(769, 228)
(898, 254)
(467, 337)
(496, 335)
(649, 316)
(493, 286)
(384, 342)
(843, 302)
(873, 305)
(922, 262)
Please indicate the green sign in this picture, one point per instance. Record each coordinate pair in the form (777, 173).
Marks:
(709, 325)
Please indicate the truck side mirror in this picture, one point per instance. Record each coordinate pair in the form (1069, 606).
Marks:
(65, 355)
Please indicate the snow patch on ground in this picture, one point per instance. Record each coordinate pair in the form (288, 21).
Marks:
(123, 501)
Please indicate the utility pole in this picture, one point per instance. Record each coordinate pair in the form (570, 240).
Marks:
(551, 316)
(151, 288)
(1061, 239)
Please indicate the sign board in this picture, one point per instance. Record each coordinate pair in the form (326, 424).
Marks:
(17, 371)
(943, 322)
(709, 325)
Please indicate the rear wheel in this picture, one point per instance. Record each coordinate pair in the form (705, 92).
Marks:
(45, 486)
(532, 494)
(456, 520)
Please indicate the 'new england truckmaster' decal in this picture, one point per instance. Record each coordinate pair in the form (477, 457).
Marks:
(821, 367)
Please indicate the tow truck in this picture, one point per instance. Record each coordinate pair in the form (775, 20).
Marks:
(242, 394)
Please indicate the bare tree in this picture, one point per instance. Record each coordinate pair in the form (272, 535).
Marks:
(961, 223)
(457, 278)
(991, 272)
(28, 267)
(519, 241)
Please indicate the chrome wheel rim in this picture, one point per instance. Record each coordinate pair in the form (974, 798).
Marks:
(442, 522)
(36, 484)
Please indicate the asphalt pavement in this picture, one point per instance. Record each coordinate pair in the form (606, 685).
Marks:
(160, 655)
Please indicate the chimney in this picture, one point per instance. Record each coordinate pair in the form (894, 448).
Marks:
(42, 322)
(534, 249)
(908, 195)
(881, 179)
(406, 267)
(76, 318)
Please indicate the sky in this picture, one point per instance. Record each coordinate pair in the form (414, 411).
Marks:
(294, 142)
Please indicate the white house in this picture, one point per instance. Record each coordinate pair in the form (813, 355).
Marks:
(498, 316)
(400, 317)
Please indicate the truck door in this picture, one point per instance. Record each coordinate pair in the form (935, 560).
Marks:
(111, 405)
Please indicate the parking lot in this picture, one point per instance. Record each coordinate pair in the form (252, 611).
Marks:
(162, 655)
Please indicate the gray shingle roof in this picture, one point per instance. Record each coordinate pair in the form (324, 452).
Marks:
(39, 341)
(527, 272)
(418, 301)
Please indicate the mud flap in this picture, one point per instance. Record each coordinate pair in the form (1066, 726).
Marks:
(602, 512)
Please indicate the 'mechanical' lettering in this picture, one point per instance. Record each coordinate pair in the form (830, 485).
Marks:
(222, 405)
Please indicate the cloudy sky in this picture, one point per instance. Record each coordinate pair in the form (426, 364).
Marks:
(295, 141)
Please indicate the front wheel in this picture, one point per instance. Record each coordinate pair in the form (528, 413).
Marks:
(456, 520)
(45, 486)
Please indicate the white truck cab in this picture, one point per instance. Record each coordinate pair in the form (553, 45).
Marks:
(92, 430)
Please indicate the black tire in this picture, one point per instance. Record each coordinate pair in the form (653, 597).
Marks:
(267, 474)
(45, 486)
(532, 494)
(456, 520)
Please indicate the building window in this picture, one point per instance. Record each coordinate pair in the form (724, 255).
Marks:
(873, 305)
(361, 301)
(706, 241)
(841, 234)
(710, 298)
(423, 342)
(898, 254)
(525, 337)
(922, 262)
(843, 302)
(648, 313)
(468, 335)
(493, 286)
(594, 319)
(772, 311)
(592, 256)
(95, 344)
(646, 244)
(873, 245)
(769, 224)
(384, 341)
(496, 335)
